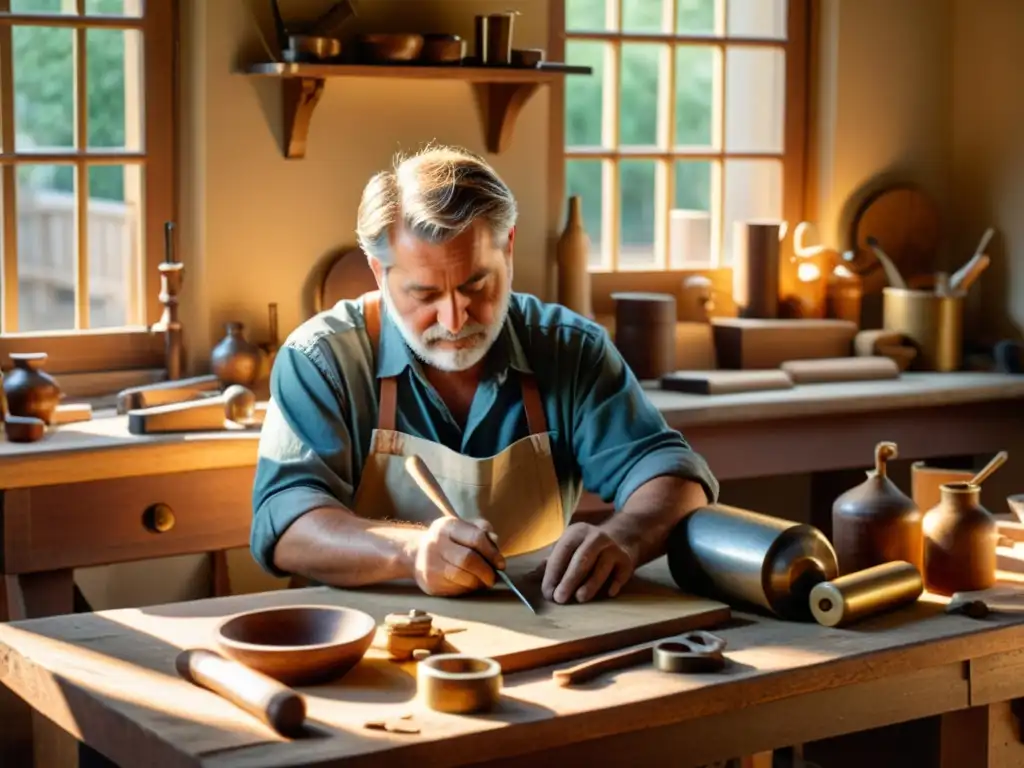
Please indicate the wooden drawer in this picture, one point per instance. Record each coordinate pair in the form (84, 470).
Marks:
(112, 521)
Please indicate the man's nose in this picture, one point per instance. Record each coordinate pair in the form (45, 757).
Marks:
(452, 314)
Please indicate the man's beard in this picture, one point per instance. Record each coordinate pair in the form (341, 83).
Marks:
(423, 345)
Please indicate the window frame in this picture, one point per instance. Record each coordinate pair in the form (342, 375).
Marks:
(127, 347)
(795, 155)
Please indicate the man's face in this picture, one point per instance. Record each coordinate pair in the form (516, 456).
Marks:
(449, 300)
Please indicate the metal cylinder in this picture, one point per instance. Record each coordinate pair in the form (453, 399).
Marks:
(737, 555)
(865, 593)
(933, 324)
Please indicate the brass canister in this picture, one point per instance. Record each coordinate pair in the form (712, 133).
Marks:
(865, 593)
(933, 324)
(741, 556)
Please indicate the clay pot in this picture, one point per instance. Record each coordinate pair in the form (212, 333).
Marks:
(235, 359)
(960, 538)
(29, 390)
(875, 522)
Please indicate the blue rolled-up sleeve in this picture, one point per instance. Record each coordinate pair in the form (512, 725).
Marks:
(305, 456)
(620, 438)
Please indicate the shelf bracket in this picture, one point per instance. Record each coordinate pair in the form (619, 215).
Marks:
(300, 96)
(499, 105)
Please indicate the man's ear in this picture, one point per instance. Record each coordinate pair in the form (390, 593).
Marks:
(511, 241)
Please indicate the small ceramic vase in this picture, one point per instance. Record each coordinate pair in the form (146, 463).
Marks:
(875, 522)
(235, 359)
(960, 539)
(28, 389)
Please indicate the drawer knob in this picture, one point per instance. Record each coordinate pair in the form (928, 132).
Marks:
(159, 518)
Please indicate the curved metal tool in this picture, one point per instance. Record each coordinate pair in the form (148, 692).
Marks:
(693, 652)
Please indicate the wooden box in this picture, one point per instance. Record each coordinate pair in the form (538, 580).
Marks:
(760, 343)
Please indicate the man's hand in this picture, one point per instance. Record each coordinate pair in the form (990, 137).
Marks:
(456, 556)
(583, 561)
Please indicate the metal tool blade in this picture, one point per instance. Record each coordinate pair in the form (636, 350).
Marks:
(508, 581)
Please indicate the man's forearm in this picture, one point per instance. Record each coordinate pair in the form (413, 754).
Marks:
(650, 514)
(336, 547)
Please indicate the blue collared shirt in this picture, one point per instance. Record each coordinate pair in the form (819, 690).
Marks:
(606, 436)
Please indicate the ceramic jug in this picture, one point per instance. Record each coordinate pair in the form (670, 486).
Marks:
(960, 538)
(875, 522)
(28, 389)
(235, 359)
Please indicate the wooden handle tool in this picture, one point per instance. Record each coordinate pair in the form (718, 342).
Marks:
(237, 404)
(588, 670)
(965, 277)
(164, 392)
(983, 474)
(277, 705)
(425, 479)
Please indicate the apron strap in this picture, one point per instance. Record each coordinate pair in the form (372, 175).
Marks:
(535, 419)
(388, 387)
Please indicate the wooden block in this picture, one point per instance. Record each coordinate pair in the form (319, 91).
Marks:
(749, 343)
(830, 370)
(69, 413)
(725, 382)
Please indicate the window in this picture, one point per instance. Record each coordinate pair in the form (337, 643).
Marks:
(692, 120)
(87, 178)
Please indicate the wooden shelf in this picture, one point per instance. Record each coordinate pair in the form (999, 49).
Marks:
(501, 92)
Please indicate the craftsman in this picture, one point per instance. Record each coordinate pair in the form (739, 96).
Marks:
(512, 403)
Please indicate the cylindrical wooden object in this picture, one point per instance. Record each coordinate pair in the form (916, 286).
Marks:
(865, 593)
(573, 253)
(275, 704)
(844, 295)
(459, 683)
(960, 538)
(645, 332)
(756, 268)
(934, 324)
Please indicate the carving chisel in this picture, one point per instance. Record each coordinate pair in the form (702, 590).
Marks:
(425, 479)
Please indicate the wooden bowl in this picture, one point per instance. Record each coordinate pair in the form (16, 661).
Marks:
(384, 48)
(298, 644)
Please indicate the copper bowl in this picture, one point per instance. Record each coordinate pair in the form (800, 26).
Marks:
(298, 644)
(385, 48)
(311, 48)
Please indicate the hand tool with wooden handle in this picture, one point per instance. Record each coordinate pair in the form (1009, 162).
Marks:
(236, 405)
(983, 474)
(693, 652)
(277, 705)
(965, 277)
(164, 392)
(425, 479)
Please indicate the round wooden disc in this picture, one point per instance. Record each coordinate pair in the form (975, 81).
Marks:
(908, 226)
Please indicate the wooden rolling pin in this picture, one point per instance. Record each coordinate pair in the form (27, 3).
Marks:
(236, 404)
(275, 704)
(834, 369)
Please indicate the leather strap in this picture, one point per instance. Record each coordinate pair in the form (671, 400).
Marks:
(532, 404)
(388, 387)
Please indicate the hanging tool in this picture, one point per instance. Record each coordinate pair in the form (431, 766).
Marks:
(425, 479)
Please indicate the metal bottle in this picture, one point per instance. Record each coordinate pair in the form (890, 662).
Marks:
(739, 556)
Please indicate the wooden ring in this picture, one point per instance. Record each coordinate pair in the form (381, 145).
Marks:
(459, 683)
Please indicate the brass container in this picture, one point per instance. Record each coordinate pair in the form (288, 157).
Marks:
(739, 556)
(960, 538)
(866, 593)
(932, 323)
(875, 522)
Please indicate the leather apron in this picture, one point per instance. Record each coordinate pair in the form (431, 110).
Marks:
(516, 490)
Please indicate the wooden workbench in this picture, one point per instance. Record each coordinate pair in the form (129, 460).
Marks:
(108, 679)
(80, 497)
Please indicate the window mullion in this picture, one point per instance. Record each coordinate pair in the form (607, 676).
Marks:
(8, 182)
(81, 177)
(719, 117)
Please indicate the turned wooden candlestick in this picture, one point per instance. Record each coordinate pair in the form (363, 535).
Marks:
(171, 276)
